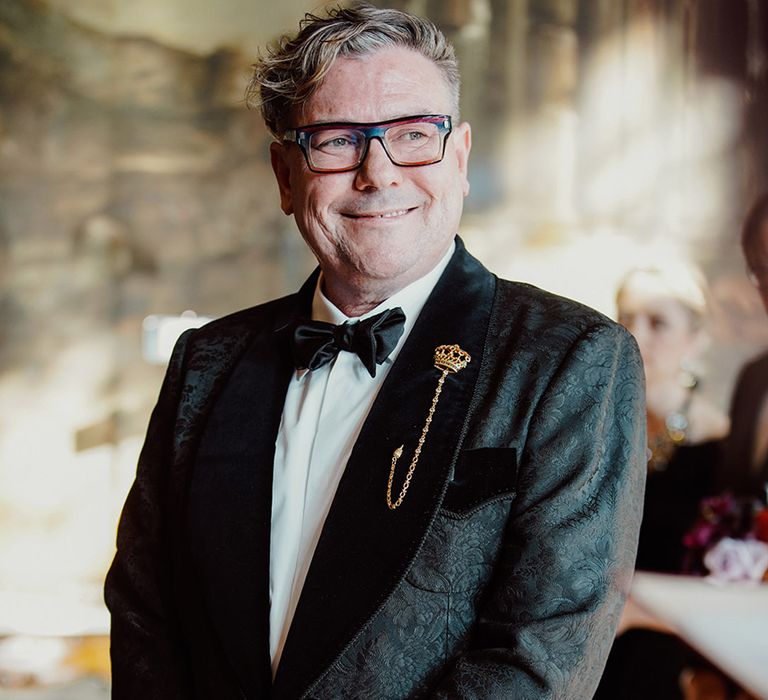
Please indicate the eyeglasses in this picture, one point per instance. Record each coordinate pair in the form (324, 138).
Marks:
(336, 147)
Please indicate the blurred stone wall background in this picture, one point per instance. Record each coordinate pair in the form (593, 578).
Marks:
(133, 182)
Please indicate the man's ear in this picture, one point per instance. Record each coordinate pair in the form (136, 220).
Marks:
(462, 144)
(278, 154)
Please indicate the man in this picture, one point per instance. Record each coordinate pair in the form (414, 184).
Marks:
(359, 505)
(745, 463)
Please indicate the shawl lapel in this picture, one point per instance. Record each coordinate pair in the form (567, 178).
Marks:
(365, 549)
(229, 498)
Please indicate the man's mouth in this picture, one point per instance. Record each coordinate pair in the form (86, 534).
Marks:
(390, 214)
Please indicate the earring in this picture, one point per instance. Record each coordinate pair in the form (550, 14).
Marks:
(686, 377)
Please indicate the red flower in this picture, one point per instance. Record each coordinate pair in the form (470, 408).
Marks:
(721, 517)
(761, 525)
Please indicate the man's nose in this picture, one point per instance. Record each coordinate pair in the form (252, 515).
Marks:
(377, 169)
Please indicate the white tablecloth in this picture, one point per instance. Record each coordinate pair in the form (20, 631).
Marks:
(726, 624)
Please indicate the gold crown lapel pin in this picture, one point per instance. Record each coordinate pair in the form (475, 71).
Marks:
(449, 359)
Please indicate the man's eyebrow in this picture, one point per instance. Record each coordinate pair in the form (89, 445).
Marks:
(353, 122)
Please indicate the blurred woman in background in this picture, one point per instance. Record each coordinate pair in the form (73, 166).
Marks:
(665, 307)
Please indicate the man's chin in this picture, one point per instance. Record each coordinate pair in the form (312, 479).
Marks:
(382, 274)
(388, 271)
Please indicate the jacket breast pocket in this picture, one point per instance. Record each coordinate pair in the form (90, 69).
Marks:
(482, 475)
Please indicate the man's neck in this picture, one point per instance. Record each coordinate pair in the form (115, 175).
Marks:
(353, 300)
(356, 295)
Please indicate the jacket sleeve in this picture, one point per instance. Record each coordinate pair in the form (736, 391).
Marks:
(147, 658)
(549, 616)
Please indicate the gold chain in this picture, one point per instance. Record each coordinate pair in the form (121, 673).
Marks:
(399, 451)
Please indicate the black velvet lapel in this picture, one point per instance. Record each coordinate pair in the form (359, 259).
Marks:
(230, 498)
(365, 549)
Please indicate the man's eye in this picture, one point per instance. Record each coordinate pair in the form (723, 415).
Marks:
(334, 143)
(411, 136)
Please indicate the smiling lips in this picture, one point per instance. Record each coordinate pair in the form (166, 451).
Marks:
(392, 214)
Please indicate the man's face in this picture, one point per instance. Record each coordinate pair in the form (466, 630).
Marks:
(378, 228)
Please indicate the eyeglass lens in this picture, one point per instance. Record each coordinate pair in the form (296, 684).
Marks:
(407, 144)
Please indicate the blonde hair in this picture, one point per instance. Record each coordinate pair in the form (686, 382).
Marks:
(295, 67)
(680, 280)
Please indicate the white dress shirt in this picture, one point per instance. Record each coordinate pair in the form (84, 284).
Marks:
(323, 414)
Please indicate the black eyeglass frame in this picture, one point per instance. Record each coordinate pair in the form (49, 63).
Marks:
(373, 130)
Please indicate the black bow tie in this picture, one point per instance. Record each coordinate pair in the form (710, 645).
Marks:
(316, 343)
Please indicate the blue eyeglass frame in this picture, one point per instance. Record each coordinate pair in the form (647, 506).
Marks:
(374, 130)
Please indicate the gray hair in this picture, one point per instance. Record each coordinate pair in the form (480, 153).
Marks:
(295, 67)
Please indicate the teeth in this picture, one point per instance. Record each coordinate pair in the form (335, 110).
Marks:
(390, 214)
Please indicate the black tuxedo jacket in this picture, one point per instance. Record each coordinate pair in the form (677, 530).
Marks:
(737, 472)
(501, 575)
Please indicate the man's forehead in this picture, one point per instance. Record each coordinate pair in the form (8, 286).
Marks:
(388, 83)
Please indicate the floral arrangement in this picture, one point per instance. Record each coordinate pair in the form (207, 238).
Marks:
(729, 541)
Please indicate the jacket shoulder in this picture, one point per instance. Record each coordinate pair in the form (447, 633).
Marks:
(221, 341)
(269, 316)
(534, 313)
